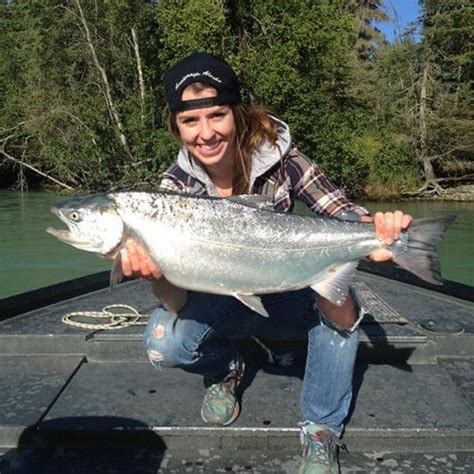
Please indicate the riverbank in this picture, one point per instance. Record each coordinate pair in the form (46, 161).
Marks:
(463, 193)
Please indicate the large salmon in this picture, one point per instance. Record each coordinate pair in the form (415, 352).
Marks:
(238, 246)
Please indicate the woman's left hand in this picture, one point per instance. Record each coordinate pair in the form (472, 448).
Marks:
(388, 227)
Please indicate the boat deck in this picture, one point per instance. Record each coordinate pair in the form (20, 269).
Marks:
(78, 400)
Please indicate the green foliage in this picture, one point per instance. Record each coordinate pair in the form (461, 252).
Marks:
(389, 164)
(448, 49)
(188, 26)
(81, 96)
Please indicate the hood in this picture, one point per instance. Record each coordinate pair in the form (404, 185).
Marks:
(264, 158)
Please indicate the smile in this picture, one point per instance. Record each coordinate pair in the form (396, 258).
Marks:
(211, 148)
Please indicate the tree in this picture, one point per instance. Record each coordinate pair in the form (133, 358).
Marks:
(445, 127)
(83, 107)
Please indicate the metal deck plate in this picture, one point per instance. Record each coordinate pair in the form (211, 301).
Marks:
(205, 461)
(417, 304)
(378, 310)
(28, 386)
(416, 406)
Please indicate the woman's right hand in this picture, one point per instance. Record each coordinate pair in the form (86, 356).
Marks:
(137, 262)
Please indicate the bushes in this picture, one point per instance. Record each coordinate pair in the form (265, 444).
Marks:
(82, 100)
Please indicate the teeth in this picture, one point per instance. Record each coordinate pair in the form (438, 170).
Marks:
(211, 146)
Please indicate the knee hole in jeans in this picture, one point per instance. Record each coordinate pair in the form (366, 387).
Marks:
(159, 332)
(154, 355)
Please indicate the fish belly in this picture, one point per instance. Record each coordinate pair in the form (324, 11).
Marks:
(225, 268)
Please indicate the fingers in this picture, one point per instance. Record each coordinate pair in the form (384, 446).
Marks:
(397, 224)
(125, 260)
(136, 261)
(379, 223)
(134, 255)
(389, 225)
(406, 221)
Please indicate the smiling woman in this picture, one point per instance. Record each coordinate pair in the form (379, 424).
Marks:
(209, 135)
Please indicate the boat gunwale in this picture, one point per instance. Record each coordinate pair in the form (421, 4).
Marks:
(39, 298)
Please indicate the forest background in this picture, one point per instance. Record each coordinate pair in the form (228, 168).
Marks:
(82, 107)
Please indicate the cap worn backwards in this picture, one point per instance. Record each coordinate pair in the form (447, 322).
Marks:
(201, 67)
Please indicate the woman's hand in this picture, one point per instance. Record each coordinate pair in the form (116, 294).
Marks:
(388, 227)
(137, 262)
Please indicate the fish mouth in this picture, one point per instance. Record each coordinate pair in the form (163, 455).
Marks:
(71, 235)
(68, 237)
(62, 234)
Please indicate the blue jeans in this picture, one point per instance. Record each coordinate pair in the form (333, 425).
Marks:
(199, 340)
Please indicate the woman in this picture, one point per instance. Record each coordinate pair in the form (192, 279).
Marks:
(229, 148)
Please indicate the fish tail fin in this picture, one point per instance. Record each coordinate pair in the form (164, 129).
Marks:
(420, 257)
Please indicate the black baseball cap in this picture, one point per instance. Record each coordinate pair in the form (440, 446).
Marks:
(201, 67)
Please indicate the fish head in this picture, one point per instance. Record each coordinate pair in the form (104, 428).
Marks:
(93, 224)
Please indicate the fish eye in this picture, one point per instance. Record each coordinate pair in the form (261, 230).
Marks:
(74, 216)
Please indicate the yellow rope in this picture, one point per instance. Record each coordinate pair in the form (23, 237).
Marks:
(117, 320)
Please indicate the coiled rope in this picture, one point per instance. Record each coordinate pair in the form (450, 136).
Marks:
(117, 320)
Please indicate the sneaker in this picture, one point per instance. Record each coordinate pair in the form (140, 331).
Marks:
(320, 450)
(220, 405)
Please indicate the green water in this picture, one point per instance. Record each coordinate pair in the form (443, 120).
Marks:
(30, 258)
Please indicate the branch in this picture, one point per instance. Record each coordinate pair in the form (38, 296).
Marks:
(456, 148)
(141, 82)
(108, 94)
(36, 170)
(430, 187)
(456, 178)
(18, 125)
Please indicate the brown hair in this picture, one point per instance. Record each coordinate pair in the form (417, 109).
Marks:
(253, 125)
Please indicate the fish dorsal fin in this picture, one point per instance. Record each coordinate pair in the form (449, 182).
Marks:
(253, 200)
(253, 302)
(335, 287)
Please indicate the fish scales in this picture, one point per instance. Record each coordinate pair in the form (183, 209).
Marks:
(237, 247)
(260, 251)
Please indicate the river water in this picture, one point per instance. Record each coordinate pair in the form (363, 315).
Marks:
(30, 258)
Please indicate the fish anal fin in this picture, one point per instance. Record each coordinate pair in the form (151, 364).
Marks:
(335, 287)
(253, 302)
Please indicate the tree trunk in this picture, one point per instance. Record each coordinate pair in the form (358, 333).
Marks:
(141, 82)
(425, 162)
(119, 128)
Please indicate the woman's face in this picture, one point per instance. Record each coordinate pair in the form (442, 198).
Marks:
(208, 133)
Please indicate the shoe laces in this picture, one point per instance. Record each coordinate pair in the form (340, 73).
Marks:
(318, 444)
(227, 383)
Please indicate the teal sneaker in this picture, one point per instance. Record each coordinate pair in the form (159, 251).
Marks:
(220, 405)
(320, 450)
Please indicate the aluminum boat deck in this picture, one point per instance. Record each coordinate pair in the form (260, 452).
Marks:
(85, 401)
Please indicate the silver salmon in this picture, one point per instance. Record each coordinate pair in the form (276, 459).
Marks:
(239, 246)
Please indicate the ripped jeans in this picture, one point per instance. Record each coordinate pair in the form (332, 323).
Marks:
(199, 340)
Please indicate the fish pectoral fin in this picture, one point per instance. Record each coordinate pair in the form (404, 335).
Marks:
(116, 275)
(253, 302)
(335, 286)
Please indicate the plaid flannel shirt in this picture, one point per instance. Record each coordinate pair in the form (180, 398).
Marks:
(294, 177)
